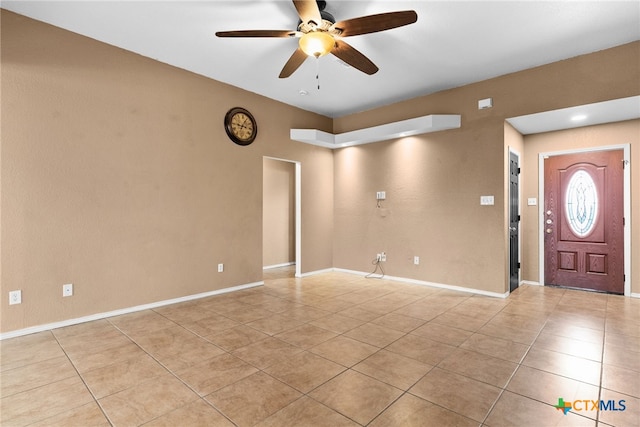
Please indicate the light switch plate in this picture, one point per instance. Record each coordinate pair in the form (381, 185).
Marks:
(532, 201)
(486, 200)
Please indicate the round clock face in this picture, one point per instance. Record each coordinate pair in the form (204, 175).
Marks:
(240, 126)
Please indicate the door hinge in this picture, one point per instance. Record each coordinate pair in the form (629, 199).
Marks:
(518, 265)
(518, 171)
(519, 218)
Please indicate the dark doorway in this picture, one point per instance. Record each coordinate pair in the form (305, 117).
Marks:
(514, 222)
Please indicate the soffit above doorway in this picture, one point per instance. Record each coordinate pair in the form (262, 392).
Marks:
(616, 110)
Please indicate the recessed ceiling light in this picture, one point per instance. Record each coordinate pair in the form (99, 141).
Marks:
(578, 117)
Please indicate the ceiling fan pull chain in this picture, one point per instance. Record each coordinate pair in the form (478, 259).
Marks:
(318, 71)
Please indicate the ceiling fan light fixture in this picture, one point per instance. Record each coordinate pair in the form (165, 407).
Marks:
(317, 43)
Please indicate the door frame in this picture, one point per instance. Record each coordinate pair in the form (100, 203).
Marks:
(626, 150)
(298, 210)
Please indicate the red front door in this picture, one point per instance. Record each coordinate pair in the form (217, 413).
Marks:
(583, 221)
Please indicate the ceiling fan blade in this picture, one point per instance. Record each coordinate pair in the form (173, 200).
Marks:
(308, 11)
(374, 23)
(354, 58)
(257, 33)
(293, 63)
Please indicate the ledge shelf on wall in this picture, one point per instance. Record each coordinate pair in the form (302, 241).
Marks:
(410, 127)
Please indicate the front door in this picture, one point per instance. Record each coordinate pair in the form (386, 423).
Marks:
(583, 221)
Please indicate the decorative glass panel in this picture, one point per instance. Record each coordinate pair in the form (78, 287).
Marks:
(581, 203)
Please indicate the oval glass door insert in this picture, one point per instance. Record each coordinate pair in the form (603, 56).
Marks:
(581, 203)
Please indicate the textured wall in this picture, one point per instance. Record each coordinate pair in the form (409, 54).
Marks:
(434, 181)
(118, 177)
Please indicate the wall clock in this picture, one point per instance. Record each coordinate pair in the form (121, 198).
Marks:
(241, 126)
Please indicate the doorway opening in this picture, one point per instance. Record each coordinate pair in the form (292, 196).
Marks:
(281, 216)
(583, 221)
(514, 220)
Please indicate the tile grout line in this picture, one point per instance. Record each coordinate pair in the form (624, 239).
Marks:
(83, 380)
(171, 371)
(504, 388)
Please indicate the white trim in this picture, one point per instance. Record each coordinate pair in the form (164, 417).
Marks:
(98, 316)
(634, 295)
(529, 282)
(430, 284)
(285, 264)
(313, 273)
(298, 219)
(626, 149)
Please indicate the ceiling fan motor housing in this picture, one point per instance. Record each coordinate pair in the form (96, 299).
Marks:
(327, 21)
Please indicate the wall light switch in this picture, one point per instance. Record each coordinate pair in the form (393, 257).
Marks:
(486, 200)
(381, 195)
(532, 201)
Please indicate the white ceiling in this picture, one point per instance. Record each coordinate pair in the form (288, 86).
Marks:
(452, 44)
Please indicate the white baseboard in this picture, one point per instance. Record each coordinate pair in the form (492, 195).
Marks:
(98, 316)
(634, 295)
(313, 273)
(529, 282)
(286, 264)
(431, 284)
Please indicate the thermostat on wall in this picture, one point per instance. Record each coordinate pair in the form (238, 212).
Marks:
(485, 103)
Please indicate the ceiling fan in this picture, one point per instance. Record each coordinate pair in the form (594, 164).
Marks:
(320, 34)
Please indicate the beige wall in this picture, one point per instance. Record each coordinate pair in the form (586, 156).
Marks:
(117, 176)
(434, 181)
(612, 134)
(278, 213)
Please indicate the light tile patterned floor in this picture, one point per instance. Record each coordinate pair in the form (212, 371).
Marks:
(335, 350)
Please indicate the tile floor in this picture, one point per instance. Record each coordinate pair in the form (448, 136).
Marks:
(335, 350)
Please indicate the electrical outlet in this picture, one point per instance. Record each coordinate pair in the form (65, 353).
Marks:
(383, 257)
(378, 257)
(416, 260)
(220, 268)
(67, 290)
(15, 297)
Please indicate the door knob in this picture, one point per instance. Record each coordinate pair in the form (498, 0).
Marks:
(549, 231)
(512, 229)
